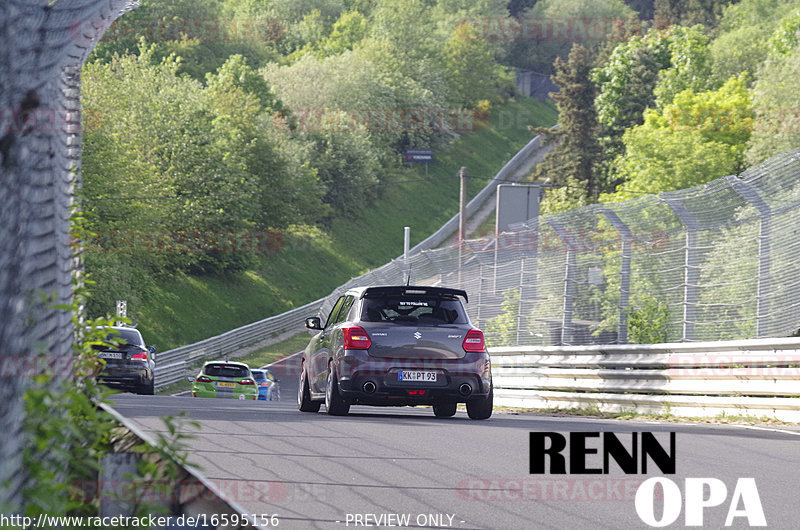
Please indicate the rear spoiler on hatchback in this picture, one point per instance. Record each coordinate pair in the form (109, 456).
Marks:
(402, 290)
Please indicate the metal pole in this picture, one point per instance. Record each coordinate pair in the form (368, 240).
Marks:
(462, 174)
(691, 268)
(626, 236)
(461, 207)
(406, 246)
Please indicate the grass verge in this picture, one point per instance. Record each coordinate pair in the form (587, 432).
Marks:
(592, 412)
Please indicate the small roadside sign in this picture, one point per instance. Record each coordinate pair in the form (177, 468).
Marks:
(419, 155)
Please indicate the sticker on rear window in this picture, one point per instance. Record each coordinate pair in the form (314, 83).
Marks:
(420, 304)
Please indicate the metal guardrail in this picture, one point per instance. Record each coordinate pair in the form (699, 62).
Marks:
(171, 365)
(759, 377)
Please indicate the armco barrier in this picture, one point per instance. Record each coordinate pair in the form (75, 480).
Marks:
(759, 378)
(171, 365)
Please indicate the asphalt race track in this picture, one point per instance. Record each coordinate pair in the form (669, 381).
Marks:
(317, 471)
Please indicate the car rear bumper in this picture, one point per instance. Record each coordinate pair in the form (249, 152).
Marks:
(457, 380)
(125, 375)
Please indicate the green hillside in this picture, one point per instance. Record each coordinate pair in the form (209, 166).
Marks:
(185, 308)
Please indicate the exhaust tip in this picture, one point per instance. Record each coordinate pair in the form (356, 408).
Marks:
(369, 387)
(465, 389)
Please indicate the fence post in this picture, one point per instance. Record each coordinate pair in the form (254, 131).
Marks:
(751, 196)
(624, 272)
(691, 267)
(569, 281)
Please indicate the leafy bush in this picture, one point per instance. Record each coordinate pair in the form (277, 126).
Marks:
(648, 323)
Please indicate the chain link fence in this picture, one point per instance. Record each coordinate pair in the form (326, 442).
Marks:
(43, 43)
(715, 262)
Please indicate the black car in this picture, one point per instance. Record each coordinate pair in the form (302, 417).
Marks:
(397, 345)
(130, 364)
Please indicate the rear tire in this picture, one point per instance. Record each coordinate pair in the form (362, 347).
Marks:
(147, 389)
(334, 404)
(444, 410)
(304, 403)
(481, 408)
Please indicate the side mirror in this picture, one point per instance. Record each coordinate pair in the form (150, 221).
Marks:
(313, 323)
(151, 348)
(190, 379)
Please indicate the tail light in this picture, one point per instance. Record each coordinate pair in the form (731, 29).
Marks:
(203, 379)
(266, 383)
(416, 392)
(141, 356)
(474, 341)
(247, 382)
(355, 338)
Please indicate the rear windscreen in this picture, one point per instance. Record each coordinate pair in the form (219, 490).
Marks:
(226, 370)
(427, 310)
(259, 376)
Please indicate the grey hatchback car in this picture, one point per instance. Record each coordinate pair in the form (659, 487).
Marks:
(397, 346)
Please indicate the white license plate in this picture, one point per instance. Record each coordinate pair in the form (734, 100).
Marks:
(416, 375)
(111, 355)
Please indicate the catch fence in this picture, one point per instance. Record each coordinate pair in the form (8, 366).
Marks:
(713, 262)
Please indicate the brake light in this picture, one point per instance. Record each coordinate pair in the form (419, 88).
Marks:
(203, 379)
(247, 382)
(355, 338)
(141, 356)
(416, 392)
(474, 341)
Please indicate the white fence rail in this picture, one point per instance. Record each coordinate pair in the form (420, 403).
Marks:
(758, 378)
(171, 365)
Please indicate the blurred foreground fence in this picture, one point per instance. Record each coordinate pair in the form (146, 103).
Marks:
(731, 378)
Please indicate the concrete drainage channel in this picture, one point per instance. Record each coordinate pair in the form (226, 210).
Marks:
(184, 499)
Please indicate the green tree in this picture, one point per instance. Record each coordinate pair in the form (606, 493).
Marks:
(627, 79)
(349, 30)
(571, 165)
(471, 70)
(539, 54)
(785, 39)
(690, 12)
(697, 138)
(690, 64)
(744, 31)
(776, 101)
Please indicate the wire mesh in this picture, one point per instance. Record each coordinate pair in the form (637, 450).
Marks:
(718, 261)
